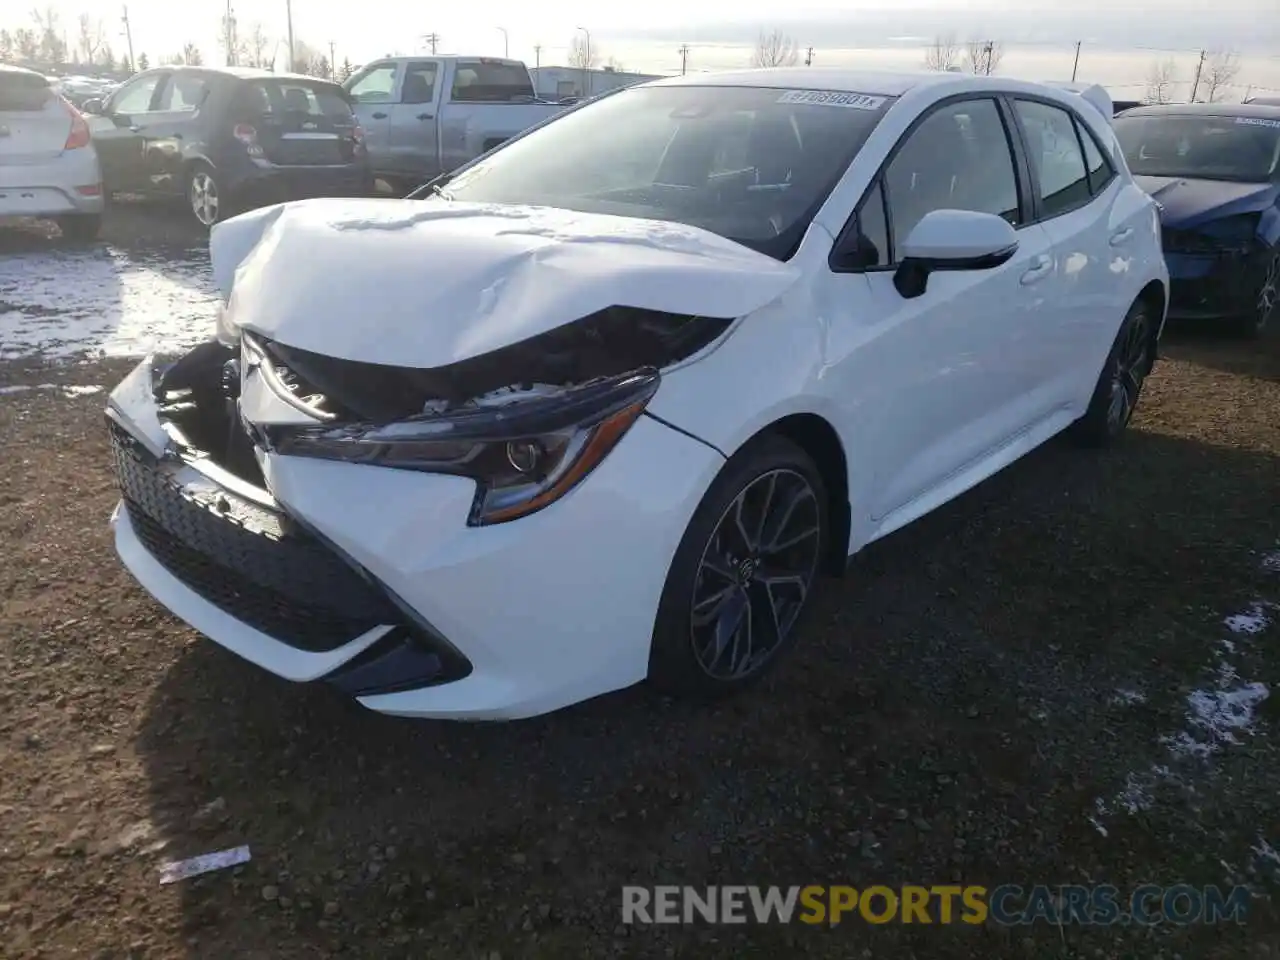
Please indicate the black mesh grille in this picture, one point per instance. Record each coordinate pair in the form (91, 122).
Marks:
(250, 562)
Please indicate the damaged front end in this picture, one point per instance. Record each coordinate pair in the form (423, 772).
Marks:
(1216, 268)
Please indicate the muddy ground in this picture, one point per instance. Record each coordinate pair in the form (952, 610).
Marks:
(1037, 684)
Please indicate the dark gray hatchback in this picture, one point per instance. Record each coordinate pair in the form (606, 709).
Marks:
(227, 139)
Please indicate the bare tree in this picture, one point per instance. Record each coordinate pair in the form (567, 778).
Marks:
(26, 43)
(191, 55)
(1160, 80)
(90, 39)
(944, 54)
(983, 56)
(1220, 72)
(775, 49)
(234, 46)
(257, 46)
(582, 54)
(614, 64)
(143, 62)
(48, 29)
(6, 45)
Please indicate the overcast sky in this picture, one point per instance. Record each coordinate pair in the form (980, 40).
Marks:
(1119, 36)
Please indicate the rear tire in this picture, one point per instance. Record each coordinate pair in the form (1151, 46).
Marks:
(743, 573)
(205, 200)
(81, 227)
(1119, 386)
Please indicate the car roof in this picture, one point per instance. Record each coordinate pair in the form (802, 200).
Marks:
(1259, 111)
(243, 73)
(879, 83)
(22, 71)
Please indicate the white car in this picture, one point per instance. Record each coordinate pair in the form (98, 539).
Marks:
(48, 166)
(605, 404)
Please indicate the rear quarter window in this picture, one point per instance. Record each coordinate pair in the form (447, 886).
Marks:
(22, 92)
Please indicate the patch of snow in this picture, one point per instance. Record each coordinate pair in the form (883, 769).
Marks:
(24, 387)
(82, 391)
(1253, 620)
(1128, 698)
(1219, 715)
(57, 304)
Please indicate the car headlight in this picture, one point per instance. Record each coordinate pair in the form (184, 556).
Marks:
(524, 454)
(226, 332)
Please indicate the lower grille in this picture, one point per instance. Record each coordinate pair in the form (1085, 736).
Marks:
(250, 562)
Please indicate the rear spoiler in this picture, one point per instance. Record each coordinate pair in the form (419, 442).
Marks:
(1095, 94)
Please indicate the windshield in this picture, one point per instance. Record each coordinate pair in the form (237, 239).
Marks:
(1246, 149)
(749, 163)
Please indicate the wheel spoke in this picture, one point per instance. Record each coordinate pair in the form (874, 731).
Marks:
(741, 522)
(766, 618)
(774, 543)
(707, 609)
(725, 630)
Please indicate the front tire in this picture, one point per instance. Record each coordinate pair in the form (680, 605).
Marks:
(1253, 325)
(204, 196)
(743, 573)
(1119, 386)
(81, 227)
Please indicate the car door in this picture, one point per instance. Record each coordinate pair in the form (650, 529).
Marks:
(933, 387)
(117, 133)
(173, 124)
(1077, 198)
(414, 148)
(373, 91)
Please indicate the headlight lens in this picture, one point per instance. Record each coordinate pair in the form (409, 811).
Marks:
(226, 332)
(524, 455)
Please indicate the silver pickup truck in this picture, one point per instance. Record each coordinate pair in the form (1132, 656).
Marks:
(424, 116)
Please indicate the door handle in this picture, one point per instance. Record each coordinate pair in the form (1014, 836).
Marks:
(379, 115)
(1121, 236)
(426, 116)
(1043, 267)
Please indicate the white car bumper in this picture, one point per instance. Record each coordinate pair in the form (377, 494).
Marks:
(67, 184)
(529, 616)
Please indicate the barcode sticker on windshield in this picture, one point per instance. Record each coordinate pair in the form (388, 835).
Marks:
(833, 98)
(1258, 122)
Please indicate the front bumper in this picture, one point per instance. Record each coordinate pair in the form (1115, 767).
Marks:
(521, 618)
(1214, 286)
(53, 187)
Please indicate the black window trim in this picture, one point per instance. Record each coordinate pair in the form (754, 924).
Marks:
(161, 74)
(1034, 176)
(1017, 154)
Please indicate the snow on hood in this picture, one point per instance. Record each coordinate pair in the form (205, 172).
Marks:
(428, 283)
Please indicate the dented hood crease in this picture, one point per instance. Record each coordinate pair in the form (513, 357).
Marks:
(429, 283)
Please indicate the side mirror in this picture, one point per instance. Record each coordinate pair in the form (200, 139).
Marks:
(93, 105)
(952, 240)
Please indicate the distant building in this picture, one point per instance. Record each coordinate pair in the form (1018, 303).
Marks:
(556, 83)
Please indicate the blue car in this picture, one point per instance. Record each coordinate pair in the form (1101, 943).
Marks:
(1214, 169)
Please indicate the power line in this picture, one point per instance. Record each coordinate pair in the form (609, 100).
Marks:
(808, 57)
(1076, 66)
(433, 40)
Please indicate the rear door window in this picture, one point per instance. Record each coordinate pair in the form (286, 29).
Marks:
(23, 92)
(183, 93)
(491, 80)
(300, 122)
(135, 96)
(1056, 155)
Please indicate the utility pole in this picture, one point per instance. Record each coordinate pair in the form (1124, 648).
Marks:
(1195, 84)
(506, 45)
(990, 52)
(808, 57)
(1076, 66)
(432, 40)
(288, 16)
(128, 35)
(230, 31)
(537, 56)
(333, 63)
(684, 58)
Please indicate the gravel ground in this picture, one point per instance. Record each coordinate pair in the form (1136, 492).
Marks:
(1037, 684)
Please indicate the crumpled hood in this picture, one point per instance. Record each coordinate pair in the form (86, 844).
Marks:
(429, 282)
(1186, 202)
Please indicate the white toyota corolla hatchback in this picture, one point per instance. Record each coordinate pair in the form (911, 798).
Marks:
(603, 404)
